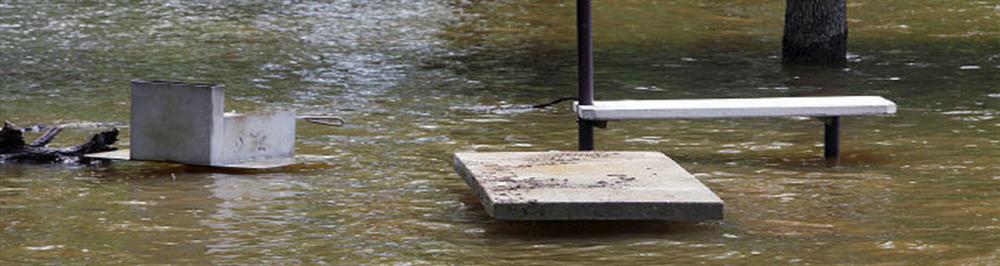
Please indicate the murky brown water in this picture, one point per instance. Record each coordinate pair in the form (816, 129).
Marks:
(419, 80)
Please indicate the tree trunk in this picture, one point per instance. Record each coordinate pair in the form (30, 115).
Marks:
(815, 32)
(13, 148)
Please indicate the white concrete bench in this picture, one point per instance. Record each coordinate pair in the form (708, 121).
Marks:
(829, 108)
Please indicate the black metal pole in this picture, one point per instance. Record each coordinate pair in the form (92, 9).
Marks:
(585, 85)
(831, 146)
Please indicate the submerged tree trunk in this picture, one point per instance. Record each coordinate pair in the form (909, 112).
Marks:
(13, 148)
(815, 32)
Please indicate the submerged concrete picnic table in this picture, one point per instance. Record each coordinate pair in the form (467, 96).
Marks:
(606, 185)
(630, 185)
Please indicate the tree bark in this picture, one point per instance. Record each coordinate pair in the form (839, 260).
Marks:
(815, 32)
(13, 148)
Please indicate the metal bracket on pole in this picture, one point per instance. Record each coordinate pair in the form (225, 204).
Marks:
(601, 124)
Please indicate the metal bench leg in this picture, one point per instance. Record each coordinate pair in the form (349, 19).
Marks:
(586, 136)
(831, 146)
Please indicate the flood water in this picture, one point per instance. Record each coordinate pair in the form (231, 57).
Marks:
(420, 80)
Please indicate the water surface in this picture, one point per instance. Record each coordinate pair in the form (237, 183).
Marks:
(419, 80)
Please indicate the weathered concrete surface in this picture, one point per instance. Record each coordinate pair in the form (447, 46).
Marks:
(123, 154)
(258, 164)
(586, 186)
(173, 121)
(257, 137)
(184, 123)
(737, 107)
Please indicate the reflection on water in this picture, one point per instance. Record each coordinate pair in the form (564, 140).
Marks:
(419, 80)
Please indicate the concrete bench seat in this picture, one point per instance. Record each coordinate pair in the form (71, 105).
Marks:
(830, 106)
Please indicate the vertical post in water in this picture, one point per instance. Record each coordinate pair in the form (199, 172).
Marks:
(831, 145)
(585, 85)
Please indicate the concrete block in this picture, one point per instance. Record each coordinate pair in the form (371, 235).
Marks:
(586, 186)
(177, 122)
(184, 123)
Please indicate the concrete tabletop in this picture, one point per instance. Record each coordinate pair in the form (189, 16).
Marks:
(586, 186)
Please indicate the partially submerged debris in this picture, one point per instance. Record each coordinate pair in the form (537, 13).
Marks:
(13, 148)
